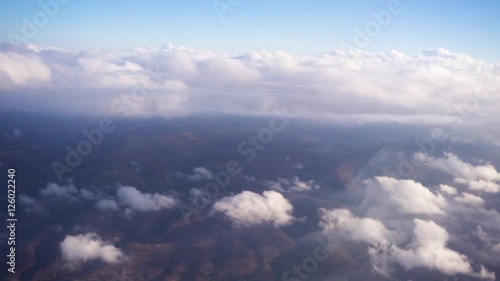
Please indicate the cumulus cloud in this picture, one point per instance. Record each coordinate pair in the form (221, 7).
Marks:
(470, 199)
(452, 164)
(18, 69)
(358, 229)
(143, 202)
(298, 185)
(496, 248)
(55, 191)
(483, 236)
(66, 192)
(249, 208)
(450, 190)
(107, 205)
(358, 86)
(408, 196)
(480, 185)
(483, 177)
(200, 173)
(294, 184)
(492, 243)
(429, 250)
(402, 224)
(87, 247)
(427, 247)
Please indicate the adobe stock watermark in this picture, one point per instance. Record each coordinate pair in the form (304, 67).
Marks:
(223, 7)
(459, 113)
(123, 106)
(372, 29)
(249, 149)
(40, 19)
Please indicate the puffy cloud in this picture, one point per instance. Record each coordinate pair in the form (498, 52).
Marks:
(496, 248)
(22, 69)
(427, 248)
(398, 236)
(55, 191)
(470, 199)
(295, 184)
(429, 251)
(66, 192)
(483, 177)
(249, 208)
(494, 244)
(298, 185)
(143, 202)
(358, 229)
(358, 86)
(409, 196)
(450, 190)
(200, 173)
(87, 247)
(107, 205)
(480, 185)
(199, 197)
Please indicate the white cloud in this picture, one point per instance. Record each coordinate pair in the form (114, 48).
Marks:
(298, 185)
(483, 177)
(55, 191)
(143, 202)
(453, 165)
(450, 190)
(479, 232)
(249, 208)
(494, 244)
(480, 185)
(86, 247)
(470, 199)
(427, 248)
(22, 69)
(409, 196)
(358, 229)
(359, 86)
(66, 192)
(200, 173)
(295, 184)
(107, 205)
(496, 248)
(429, 251)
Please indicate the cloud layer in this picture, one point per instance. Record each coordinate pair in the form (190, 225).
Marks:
(351, 86)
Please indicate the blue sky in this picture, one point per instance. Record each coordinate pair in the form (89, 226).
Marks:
(298, 27)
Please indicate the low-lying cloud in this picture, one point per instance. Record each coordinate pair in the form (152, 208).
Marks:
(136, 200)
(482, 177)
(87, 247)
(249, 208)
